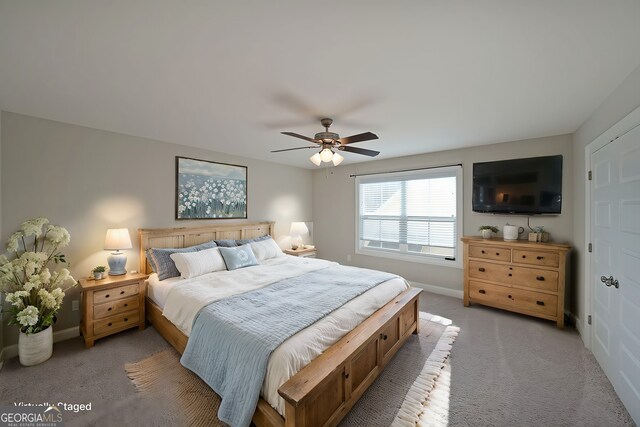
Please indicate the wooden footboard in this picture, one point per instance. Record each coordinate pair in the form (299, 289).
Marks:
(324, 391)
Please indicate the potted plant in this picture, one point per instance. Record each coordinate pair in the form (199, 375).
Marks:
(537, 234)
(487, 231)
(35, 293)
(98, 272)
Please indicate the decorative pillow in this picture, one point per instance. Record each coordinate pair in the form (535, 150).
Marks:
(230, 243)
(265, 249)
(255, 239)
(238, 257)
(161, 262)
(193, 264)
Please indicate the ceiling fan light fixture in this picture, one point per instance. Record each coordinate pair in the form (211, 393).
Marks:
(315, 159)
(337, 159)
(326, 155)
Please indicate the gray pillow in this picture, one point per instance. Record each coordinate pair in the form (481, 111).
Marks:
(238, 257)
(163, 265)
(256, 239)
(230, 243)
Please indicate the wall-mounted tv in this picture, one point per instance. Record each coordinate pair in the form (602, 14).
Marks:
(528, 186)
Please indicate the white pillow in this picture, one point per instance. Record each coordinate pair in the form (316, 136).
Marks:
(193, 264)
(265, 249)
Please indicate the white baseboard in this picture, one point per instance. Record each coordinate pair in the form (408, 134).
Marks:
(12, 350)
(455, 293)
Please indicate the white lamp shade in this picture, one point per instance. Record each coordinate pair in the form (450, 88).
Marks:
(337, 159)
(315, 159)
(326, 155)
(117, 238)
(299, 229)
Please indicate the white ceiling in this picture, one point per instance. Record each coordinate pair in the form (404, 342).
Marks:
(229, 76)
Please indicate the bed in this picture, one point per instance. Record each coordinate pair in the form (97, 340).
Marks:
(324, 390)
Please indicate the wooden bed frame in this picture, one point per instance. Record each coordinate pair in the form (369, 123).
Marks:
(324, 391)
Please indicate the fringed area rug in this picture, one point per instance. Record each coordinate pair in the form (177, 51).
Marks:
(412, 390)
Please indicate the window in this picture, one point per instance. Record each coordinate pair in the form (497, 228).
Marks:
(413, 216)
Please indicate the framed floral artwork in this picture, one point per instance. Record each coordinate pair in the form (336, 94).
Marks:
(210, 190)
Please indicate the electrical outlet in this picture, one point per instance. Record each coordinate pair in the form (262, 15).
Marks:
(75, 305)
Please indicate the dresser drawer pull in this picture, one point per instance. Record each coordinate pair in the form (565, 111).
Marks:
(109, 324)
(482, 251)
(509, 296)
(121, 292)
(497, 253)
(384, 337)
(524, 256)
(540, 302)
(482, 291)
(346, 376)
(540, 278)
(126, 305)
(510, 274)
(481, 269)
(540, 257)
(110, 308)
(106, 296)
(126, 319)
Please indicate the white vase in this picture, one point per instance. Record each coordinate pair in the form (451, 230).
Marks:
(486, 234)
(35, 348)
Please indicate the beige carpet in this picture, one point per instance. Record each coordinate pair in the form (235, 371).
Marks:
(398, 397)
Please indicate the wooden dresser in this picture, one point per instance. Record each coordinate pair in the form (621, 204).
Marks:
(520, 276)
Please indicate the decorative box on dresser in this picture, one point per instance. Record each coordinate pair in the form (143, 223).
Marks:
(300, 252)
(111, 305)
(521, 276)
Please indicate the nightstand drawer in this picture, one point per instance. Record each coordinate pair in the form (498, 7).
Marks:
(548, 259)
(494, 253)
(115, 307)
(116, 323)
(115, 293)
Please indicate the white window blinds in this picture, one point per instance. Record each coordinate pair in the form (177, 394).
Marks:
(413, 213)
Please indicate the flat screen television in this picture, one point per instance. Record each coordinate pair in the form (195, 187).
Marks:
(530, 186)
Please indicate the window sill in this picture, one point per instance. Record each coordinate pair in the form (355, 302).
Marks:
(420, 259)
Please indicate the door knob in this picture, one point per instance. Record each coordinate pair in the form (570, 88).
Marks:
(610, 281)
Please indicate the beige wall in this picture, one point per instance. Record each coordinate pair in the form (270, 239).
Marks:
(621, 102)
(89, 180)
(334, 204)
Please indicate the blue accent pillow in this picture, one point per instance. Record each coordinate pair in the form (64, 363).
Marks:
(256, 239)
(163, 265)
(238, 257)
(230, 243)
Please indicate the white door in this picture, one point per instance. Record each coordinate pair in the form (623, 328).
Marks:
(615, 279)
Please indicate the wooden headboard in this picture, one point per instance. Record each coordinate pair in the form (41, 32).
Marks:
(188, 236)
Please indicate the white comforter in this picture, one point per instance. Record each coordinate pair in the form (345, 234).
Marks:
(183, 298)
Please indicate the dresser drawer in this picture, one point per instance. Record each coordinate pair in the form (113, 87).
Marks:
(115, 307)
(115, 293)
(488, 252)
(517, 299)
(535, 278)
(488, 271)
(547, 259)
(116, 323)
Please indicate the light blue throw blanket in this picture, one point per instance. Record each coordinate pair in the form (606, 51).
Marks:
(232, 339)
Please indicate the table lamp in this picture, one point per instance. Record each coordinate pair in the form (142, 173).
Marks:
(297, 230)
(117, 239)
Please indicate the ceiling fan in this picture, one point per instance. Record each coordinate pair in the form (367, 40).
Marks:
(327, 141)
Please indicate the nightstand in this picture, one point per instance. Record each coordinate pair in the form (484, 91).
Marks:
(306, 253)
(111, 305)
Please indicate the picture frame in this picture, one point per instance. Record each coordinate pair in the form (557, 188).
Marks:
(210, 190)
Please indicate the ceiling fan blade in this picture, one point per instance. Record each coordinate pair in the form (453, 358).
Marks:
(367, 136)
(291, 149)
(297, 135)
(356, 150)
